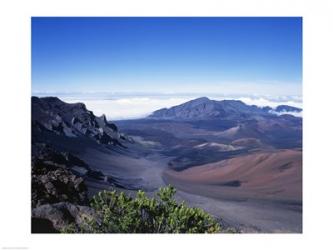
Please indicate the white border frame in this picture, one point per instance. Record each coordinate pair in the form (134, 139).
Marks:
(15, 121)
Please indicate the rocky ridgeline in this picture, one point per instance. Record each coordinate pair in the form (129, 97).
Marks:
(205, 109)
(72, 120)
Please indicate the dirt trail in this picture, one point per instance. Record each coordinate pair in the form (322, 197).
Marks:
(249, 216)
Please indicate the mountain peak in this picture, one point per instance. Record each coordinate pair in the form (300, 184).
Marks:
(204, 108)
(198, 101)
(201, 99)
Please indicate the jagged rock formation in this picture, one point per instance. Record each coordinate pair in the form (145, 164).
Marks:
(60, 132)
(72, 120)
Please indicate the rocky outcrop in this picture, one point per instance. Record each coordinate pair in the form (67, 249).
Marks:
(60, 133)
(58, 185)
(58, 195)
(52, 218)
(52, 178)
(45, 153)
(71, 120)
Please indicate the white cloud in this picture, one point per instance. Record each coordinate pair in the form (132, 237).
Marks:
(262, 102)
(297, 114)
(131, 107)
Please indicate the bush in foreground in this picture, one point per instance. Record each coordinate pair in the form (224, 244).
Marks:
(119, 213)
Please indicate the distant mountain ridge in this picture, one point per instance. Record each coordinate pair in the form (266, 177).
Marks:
(204, 108)
(287, 108)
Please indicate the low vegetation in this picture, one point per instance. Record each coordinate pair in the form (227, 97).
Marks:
(119, 213)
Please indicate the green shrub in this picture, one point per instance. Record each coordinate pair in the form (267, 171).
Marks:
(119, 213)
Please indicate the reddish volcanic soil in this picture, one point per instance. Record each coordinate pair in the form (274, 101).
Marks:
(274, 175)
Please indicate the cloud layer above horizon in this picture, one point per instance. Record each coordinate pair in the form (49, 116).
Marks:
(132, 107)
(157, 59)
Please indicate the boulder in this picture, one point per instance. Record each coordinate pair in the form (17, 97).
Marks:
(55, 217)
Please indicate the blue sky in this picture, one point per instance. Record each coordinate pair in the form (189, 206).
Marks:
(167, 55)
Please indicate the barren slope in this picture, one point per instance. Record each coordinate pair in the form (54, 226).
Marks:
(262, 175)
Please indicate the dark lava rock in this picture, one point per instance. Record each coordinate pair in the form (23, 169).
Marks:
(52, 180)
(58, 185)
(44, 153)
(39, 225)
(51, 218)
